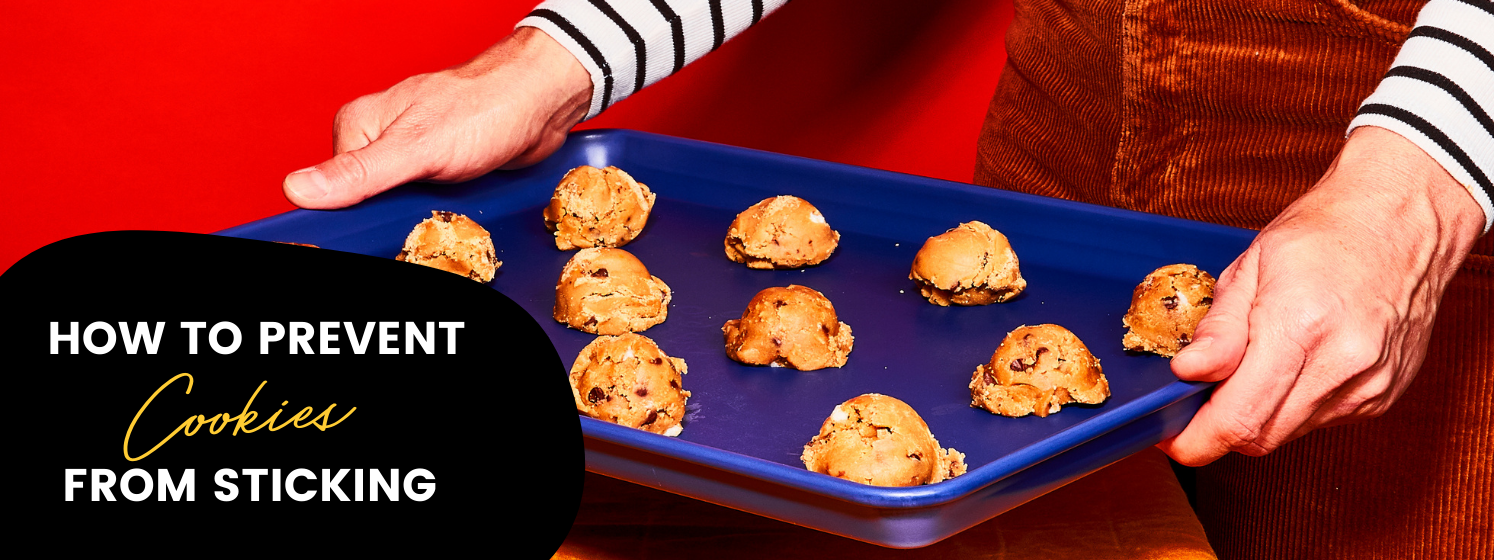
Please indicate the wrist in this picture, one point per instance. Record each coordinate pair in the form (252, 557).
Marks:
(539, 75)
(1413, 187)
(568, 82)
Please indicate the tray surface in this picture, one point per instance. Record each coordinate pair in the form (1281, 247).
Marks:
(1080, 261)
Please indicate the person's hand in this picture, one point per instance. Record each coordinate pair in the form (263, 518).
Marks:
(509, 107)
(1324, 320)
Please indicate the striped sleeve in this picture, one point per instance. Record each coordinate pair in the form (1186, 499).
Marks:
(1439, 93)
(628, 44)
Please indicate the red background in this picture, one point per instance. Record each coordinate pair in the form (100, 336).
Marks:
(186, 115)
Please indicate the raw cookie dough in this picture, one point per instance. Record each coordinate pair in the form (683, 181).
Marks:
(628, 380)
(879, 440)
(597, 208)
(1036, 370)
(780, 232)
(608, 291)
(454, 243)
(969, 265)
(794, 326)
(1166, 308)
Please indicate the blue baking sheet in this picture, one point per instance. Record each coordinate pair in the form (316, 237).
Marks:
(746, 426)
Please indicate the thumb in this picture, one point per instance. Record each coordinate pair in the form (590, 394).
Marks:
(1220, 339)
(350, 177)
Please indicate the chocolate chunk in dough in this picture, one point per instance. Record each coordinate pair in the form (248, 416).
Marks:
(879, 440)
(969, 265)
(780, 232)
(794, 326)
(628, 380)
(597, 208)
(1166, 308)
(608, 291)
(1037, 370)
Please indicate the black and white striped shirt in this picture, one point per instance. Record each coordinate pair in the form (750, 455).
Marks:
(629, 44)
(1439, 93)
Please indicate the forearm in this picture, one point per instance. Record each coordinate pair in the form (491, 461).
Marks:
(627, 45)
(1439, 94)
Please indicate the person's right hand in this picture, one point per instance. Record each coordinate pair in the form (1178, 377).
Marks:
(509, 107)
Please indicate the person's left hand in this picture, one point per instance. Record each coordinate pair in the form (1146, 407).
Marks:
(1325, 318)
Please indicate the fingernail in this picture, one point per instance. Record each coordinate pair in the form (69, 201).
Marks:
(307, 184)
(1196, 346)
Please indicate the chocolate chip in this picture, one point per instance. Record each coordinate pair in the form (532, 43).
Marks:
(446, 216)
(656, 361)
(600, 273)
(1040, 350)
(1184, 340)
(990, 379)
(825, 328)
(1017, 365)
(652, 415)
(642, 392)
(1206, 301)
(595, 395)
(592, 322)
(779, 303)
(777, 342)
(675, 384)
(1170, 302)
(916, 456)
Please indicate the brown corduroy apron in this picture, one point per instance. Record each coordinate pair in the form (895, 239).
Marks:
(1226, 111)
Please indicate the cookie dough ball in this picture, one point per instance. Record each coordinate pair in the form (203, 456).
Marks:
(969, 265)
(628, 380)
(879, 440)
(780, 232)
(1037, 370)
(1166, 308)
(794, 326)
(597, 208)
(608, 291)
(454, 243)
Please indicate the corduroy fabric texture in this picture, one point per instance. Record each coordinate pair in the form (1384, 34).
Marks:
(1227, 112)
(1417, 482)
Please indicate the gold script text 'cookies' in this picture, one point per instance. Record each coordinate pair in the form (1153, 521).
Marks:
(219, 421)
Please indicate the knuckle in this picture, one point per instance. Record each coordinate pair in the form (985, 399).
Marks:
(355, 170)
(1256, 449)
(1343, 412)
(1239, 434)
(1369, 406)
(1358, 353)
(1311, 314)
(355, 109)
(1374, 409)
(1377, 387)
